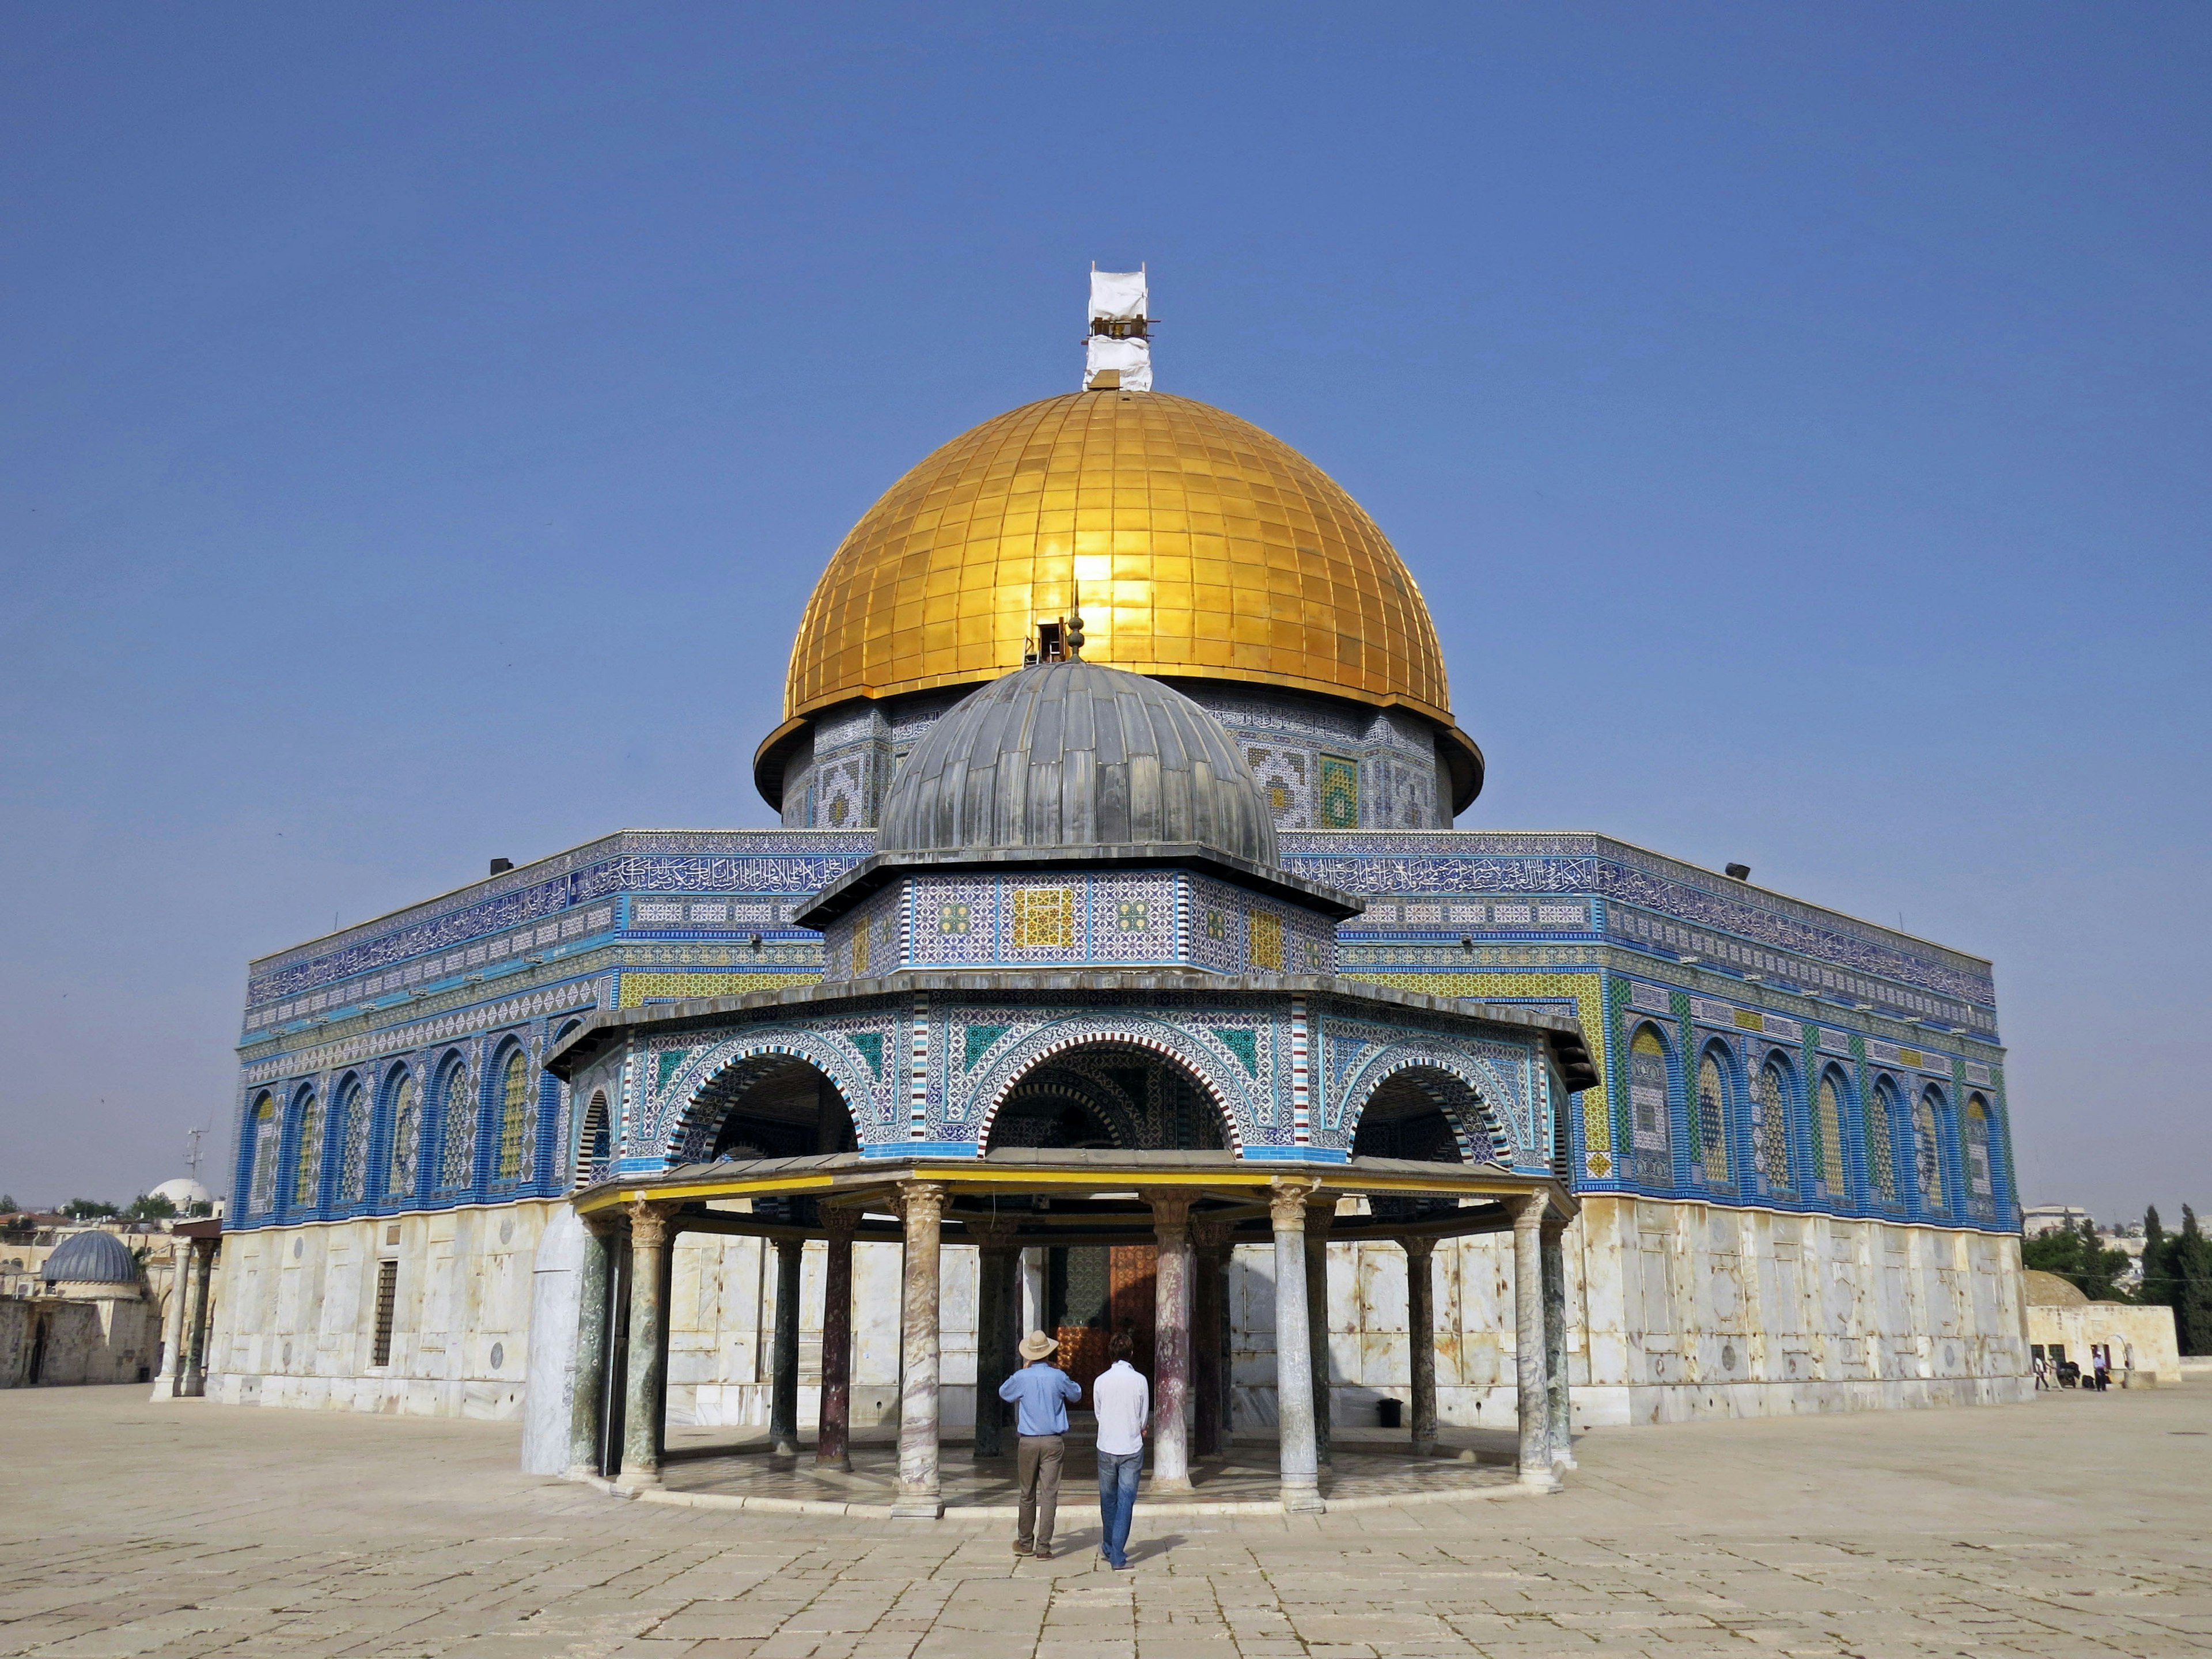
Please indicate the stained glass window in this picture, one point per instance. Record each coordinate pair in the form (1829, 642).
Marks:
(1927, 1152)
(1978, 1182)
(513, 1116)
(406, 1138)
(1712, 1121)
(1881, 1132)
(1830, 1126)
(1770, 1127)
(264, 1155)
(307, 1154)
(1647, 1090)
(458, 1167)
(353, 1156)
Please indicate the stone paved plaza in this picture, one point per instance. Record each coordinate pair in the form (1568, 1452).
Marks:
(2077, 1524)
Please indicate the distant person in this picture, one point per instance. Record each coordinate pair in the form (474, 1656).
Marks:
(2104, 1372)
(2042, 1372)
(1043, 1390)
(1123, 1400)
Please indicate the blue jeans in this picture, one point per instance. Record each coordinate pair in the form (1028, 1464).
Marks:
(1117, 1501)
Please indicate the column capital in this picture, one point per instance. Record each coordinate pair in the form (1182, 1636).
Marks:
(840, 1220)
(1170, 1209)
(994, 1232)
(648, 1223)
(1528, 1210)
(922, 1201)
(600, 1223)
(1418, 1246)
(1211, 1234)
(1286, 1206)
(1555, 1228)
(1321, 1212)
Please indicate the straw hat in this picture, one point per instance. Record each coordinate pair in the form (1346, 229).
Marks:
(1036, 1345)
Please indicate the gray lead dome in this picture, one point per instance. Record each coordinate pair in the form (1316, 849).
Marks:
(1076, 754)
(92, 1258)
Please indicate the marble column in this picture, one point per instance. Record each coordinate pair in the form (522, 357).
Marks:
(196, 1318)
(1321, 1211)
(997, 1304)
(1032, 1314)
(645, 1400)
(1210, 1247)
(1294, 1401)
(1557, 1426)
(1171, 1345)
(171, 1382)
(587, 1402)
(1535, 1458)
(1421, 1339)
(832, 1440)
(921, 1209)
(783, 1386)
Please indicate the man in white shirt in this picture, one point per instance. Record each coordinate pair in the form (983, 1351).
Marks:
(1123, 1400)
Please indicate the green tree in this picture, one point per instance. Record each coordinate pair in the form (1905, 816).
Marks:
(2077, 1255)
(88, 1209)
(2177, 1274)
(8, 1204)
(148, 1207)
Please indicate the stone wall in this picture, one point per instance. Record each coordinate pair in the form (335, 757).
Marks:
(2148, 1331)
(107, 1339)
(1675, 1310)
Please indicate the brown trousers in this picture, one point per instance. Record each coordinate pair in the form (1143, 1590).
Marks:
(1037, 1471)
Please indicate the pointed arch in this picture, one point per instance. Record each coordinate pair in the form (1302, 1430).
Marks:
(711, 1082)
(1210, 1070)
(1773, 1104)
(263, 1132)
(511, 1067)
(1651, 1102)
(1830, 1110)
(458, 1111)
(595, 1146)
(1884, 1111)
(1930, 1184)
(353, 1119)
(306, 1148)
(1979, 1144)
(403, 1117)
(1712, 1117)
(1465, 1090)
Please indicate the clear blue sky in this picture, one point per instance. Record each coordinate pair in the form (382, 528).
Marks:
(420, 426)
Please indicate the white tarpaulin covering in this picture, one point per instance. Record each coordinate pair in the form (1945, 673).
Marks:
(1118, 295)
(1133, 358)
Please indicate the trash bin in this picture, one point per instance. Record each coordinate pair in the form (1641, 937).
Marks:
(1388, 1410)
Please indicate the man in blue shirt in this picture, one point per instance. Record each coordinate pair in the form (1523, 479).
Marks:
(1043, 1390)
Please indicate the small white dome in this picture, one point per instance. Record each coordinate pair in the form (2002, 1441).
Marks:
(183, 1191)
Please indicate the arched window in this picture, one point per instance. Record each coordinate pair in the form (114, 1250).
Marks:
(458, 1167)
(1770, 1127)
(1928, 1150)
(1647, 1102)
(307, 1155)
(595, 1148)
(1981, 1186)
(1712, 1121)
(352, 1141)
(1882, 1141)
(513, 1116)
(1828, 1128)
(263, 1192)
(406, 1139)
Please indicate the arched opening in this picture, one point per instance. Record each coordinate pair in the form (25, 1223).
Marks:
(1881, 1140)
(1981, 1180)
(1927, 1152)
(403, 1165)
(1650, 1110)
(514, 1115)
(306, 1150)
(1427, 1114)
(261, 1150)
(1772, 1099)
(1828, 1135)
(595, 1149)
(457, 1164)
(772, 1106)
(1711, 1121)
(352, 1132)
(1109, 1094)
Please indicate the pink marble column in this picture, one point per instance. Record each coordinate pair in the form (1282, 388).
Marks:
(1210, 1248)
(832, 1438)
(921, 1208)
(1171, 1304)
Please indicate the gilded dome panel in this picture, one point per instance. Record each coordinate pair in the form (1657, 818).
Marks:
(1202, 546)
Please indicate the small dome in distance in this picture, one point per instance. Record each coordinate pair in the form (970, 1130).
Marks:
(90, 1258)
(183, 1192)
(1073, 754)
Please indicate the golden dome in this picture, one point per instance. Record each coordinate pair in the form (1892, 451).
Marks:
(1202, 546)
